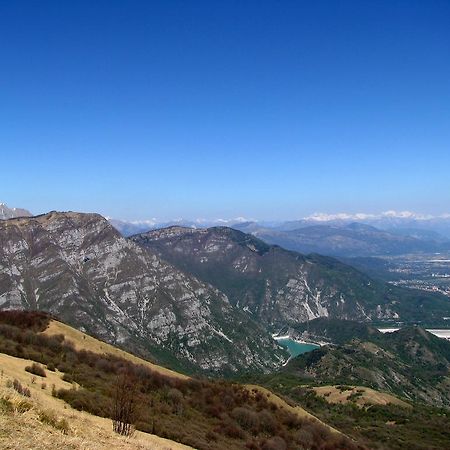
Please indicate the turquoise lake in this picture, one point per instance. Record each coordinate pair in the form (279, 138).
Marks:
(296, 348)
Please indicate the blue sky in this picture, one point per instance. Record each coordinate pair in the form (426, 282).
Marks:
(264, 109)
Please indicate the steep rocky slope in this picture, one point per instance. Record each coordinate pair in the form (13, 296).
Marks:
(78, 267)
(281, 287)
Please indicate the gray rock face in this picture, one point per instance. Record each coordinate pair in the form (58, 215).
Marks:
(10, 213)
(281, 287)
(79, 268)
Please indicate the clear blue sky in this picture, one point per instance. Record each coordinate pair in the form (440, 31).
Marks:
(267, 109)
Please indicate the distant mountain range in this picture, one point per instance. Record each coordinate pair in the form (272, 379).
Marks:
(128, 228)
(418, 231)
(348, 239)
(389, 220)
(342, 235)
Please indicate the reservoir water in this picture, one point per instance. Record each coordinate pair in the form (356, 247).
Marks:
(296, 348)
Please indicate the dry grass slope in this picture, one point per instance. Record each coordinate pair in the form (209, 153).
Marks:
(204, 414)
(22, 427)
(358, 394)
(83, 341)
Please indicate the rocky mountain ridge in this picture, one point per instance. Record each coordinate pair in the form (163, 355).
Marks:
(78, 267)
(281, 287)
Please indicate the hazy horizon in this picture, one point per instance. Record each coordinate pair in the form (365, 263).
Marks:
(318, 216)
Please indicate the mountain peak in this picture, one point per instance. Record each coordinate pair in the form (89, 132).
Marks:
(69, 219)
(220, 238)
(10, 213)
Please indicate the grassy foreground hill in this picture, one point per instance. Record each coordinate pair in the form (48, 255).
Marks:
(59, 380)
(42, 421)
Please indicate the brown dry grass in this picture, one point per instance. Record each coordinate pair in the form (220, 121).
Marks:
(24, 430)
(83, 341)
(333, 394)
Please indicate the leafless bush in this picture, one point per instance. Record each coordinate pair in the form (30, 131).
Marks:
(267, 423)
(274, 443)
(175, 397)
(124, 402)
(246, 418)
(21, 389)
(36, 369)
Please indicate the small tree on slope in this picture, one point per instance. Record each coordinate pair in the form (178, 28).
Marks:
(124, 401)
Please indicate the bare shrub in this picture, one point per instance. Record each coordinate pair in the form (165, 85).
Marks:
(21, 389)
(67, 377)
(214, 411)
(246, 418)
(145, 427)
(274, 443)
(231, 430)
(304, 436)
(124, 401)
(267, 423)
(252, 445)
(36, 369)
(175, 397)
(26, 320)
(211, 436)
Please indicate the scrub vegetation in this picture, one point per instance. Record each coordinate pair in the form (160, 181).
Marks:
(201, 413)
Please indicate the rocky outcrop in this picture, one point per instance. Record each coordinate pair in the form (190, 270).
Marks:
(10, 213)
